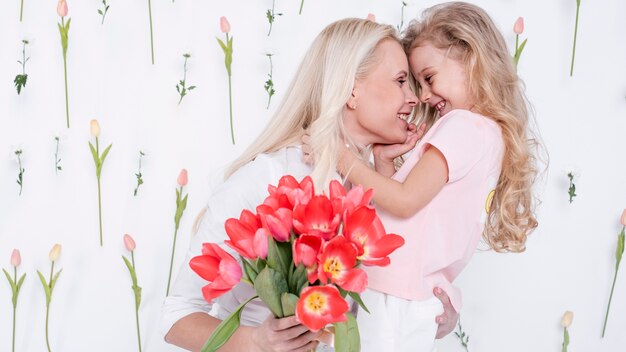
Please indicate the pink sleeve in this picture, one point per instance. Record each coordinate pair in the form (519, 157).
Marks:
(461, 138)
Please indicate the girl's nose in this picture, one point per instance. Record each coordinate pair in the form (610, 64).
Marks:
(425, 95)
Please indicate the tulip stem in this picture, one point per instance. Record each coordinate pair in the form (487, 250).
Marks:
(169, 278)
(151, 37)
(301, 5)
(14, 307)
(132, 258)
(48, 306)
(606, 318)
(99, 196)
(571, 72)
(21, 10)
(67, 106)
(230, 104)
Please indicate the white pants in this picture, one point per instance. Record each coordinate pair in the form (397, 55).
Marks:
(398, 325)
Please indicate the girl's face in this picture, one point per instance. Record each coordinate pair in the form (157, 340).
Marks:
(442, 80)
(381, 102)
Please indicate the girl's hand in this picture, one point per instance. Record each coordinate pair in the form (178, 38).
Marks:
(388, 152)
(307, 152)
(447, 320)
(285, 334)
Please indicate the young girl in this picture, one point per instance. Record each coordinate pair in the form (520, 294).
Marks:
(471, 174)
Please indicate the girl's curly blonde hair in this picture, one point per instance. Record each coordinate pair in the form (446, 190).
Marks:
(470, 36)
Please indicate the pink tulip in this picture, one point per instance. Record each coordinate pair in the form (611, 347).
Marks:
(623, 220)
(182, 178)
(518, 27)
(62, 8)
(16, 258)
(224, 25)
(129, 242)
(371, 17)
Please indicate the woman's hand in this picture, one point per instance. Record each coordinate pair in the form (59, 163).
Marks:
(285, 334)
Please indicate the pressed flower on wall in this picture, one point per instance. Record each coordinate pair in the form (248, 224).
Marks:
(269, 84)
(181, 204)
(104, 10)
(463, 337)
(129, 243)
(98, 160)
(138, 174)
(20, 175)
(20, 79)
(181, 86)
(518, 28)
(571, 70)
(399, 27)
(566, 321)
(618, 258)
(571, 191)
(16, 285)
(271, 17)
(48, 285)
(228, 60)
(64, 29)
(57, 160)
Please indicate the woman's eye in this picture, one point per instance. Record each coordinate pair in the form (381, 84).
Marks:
(402, 81)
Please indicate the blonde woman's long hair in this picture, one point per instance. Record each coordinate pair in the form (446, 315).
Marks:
(470, 36)
(316, 98)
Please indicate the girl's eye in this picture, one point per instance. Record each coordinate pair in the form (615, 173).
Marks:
(428, 79)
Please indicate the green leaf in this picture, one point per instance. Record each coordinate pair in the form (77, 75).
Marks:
(347, 337)
(20, 282)
(54, 280)
(249, 270)
(620, 248)
(45, 287)
(11, 282)
(192, 87)
(298, 279)
(279, 256)
(100, 12)
(269, 285)
(104, 154)
(357, 298)
(289, 302)
(96, 158)
(131, 270)
(224, 48)
(137, 291)
(225, 329)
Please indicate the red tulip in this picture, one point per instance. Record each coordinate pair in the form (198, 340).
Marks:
(371, 17)
(129, 243)
(247, 237)
(182, 178)
(224, 25)
(337, 263)
(366, 231)
(348, 201)
(218, 267)
(306, 249)
(16, 258)
(319, 306)
(518, 27)
(316, 218)
(296, 192)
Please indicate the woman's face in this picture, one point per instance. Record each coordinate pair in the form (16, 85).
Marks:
(382, 101)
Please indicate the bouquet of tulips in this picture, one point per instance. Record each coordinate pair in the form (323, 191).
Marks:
(301, 252)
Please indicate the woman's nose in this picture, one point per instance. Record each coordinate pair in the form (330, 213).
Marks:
(410, 97)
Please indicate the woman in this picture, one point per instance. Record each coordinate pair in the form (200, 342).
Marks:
(351, 89)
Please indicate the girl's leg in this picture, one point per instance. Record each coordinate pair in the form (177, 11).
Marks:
(375, 328)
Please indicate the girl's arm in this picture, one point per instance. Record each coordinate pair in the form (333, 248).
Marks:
(385, 154)
(423, 183)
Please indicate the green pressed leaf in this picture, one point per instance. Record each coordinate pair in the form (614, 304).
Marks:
(131, 270)
(347, 337)
(270, 285)
(224, 48)
(620, 248)
(54, 280)
(45, 287)
(357, 298)
(225, 330)
(105, 153)
(137, 292)
(20, 282)
(289, 302)
(94, 154)
(11, 282)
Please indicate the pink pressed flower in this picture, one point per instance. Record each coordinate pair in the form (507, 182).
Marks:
(371, 17)
(182, 178)
(16, 258)
(62, 8)
(224, 25)
(129, 243)
(518, 27)
(623, 220)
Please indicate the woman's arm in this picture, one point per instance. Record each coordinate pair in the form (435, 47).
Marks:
(426, 179)
(286, 334)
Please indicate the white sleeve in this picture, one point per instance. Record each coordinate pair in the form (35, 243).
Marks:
(245, 189)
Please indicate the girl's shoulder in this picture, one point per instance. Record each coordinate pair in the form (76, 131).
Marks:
(468, 120)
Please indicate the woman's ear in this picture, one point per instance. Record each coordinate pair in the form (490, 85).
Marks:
(352, 101)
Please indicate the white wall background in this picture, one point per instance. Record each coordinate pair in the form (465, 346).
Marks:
(512, 302)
